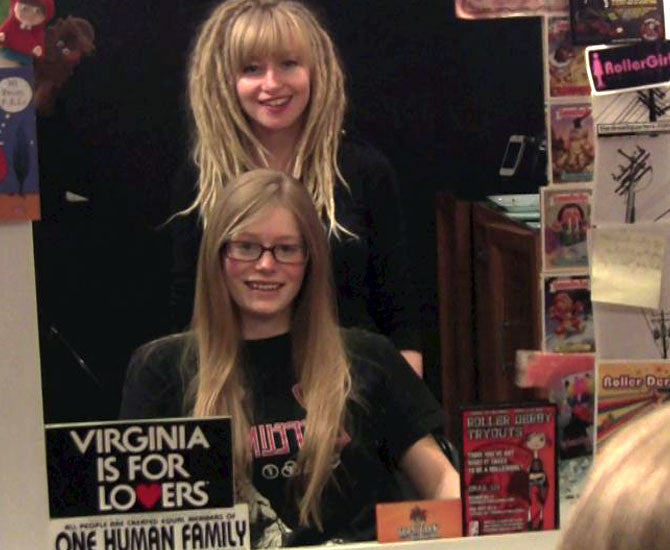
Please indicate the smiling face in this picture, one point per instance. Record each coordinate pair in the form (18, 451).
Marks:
(264, 290)
(30, 13)
(274, 94)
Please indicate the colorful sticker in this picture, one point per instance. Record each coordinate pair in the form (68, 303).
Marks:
(568, 317)
(509, 481)
(572, 143)
(566, 67)
(566, 220)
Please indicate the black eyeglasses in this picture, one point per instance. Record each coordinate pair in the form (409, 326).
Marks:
(243, 251)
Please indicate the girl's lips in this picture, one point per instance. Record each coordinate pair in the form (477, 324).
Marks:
(276, 102)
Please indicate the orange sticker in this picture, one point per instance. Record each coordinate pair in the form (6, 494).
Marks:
(419, 520)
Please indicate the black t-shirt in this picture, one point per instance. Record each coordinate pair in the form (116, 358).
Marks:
(371, 272)
(393, 409)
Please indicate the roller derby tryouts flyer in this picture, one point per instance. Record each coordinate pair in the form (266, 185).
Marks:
(159, 484)
(509, 478)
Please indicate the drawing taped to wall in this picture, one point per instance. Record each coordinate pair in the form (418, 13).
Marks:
(640, 111)
(633, 179)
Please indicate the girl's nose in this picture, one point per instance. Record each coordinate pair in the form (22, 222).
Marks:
(266, 261)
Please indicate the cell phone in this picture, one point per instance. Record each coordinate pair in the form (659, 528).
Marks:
(516, 146)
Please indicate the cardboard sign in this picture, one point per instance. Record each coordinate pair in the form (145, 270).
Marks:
(633, 67)
(135, 467)
(143, 484)
(419, 520)
(509, 479)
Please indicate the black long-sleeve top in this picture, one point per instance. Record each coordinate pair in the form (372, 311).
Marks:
(372, 275)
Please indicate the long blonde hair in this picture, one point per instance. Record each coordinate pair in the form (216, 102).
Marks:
(626, 502)
(319, 356)
(237, 32)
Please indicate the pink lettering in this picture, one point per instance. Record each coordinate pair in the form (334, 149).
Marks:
(609, 69)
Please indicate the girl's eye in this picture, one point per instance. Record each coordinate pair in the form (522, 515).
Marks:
(289, 63)
(252, 68)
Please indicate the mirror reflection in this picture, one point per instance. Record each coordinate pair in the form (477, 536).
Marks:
(117, 159)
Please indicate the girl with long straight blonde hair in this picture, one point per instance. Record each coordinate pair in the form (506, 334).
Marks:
(322, 416)
(266, 89)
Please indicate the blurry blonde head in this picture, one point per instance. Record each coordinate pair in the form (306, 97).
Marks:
(626, 502)
(236, 33)
(321, 365)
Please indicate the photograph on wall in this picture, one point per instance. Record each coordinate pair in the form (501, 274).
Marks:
(19, 171)
(566, 219)
(627, 390)
(509, 468)
(567, 325)
(565, 65)
(623, 21)
(164, 482)
(487, 9)
(572, 147)
(633, 179)
(640, 111)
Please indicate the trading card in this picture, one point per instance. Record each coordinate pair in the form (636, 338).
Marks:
(566, 219)
(566, 68)
(572, 142)
(568, 315)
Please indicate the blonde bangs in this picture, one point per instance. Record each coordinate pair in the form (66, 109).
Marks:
(262, 34)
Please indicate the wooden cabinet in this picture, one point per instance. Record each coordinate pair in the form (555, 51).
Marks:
(488, 283)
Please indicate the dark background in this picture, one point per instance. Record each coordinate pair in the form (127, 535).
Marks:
(439, 96)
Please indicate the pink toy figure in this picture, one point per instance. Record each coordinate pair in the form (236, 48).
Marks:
(23, 31)
(537, 482)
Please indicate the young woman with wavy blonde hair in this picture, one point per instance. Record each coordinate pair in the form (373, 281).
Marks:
(322, 416)
(266, 89)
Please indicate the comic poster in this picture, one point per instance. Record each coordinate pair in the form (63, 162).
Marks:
(19, 178)
(619, 21)
(143, 484)
(627, 390)
(509, 481)
(572, 142)
(566, 219)
(641, 111)
(633, 183)
(566, 67)
(486, 9)
(568, 315)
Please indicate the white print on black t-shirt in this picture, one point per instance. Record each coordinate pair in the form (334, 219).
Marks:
(272, 471)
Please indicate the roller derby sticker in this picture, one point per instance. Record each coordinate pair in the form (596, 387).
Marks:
(509, 477)
(148, 466)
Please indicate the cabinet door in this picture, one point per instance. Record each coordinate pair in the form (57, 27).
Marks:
(506, 300)
(454, 276)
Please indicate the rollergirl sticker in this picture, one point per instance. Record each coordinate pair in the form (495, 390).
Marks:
(509, 480)
(626, 68)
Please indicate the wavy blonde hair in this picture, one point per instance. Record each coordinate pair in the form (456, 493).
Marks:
(626, 502)
(235, 34)
(320, 360)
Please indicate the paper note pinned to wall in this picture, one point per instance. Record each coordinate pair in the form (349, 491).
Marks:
(627, 266)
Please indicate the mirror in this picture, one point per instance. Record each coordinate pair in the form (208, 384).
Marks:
(423, 87)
